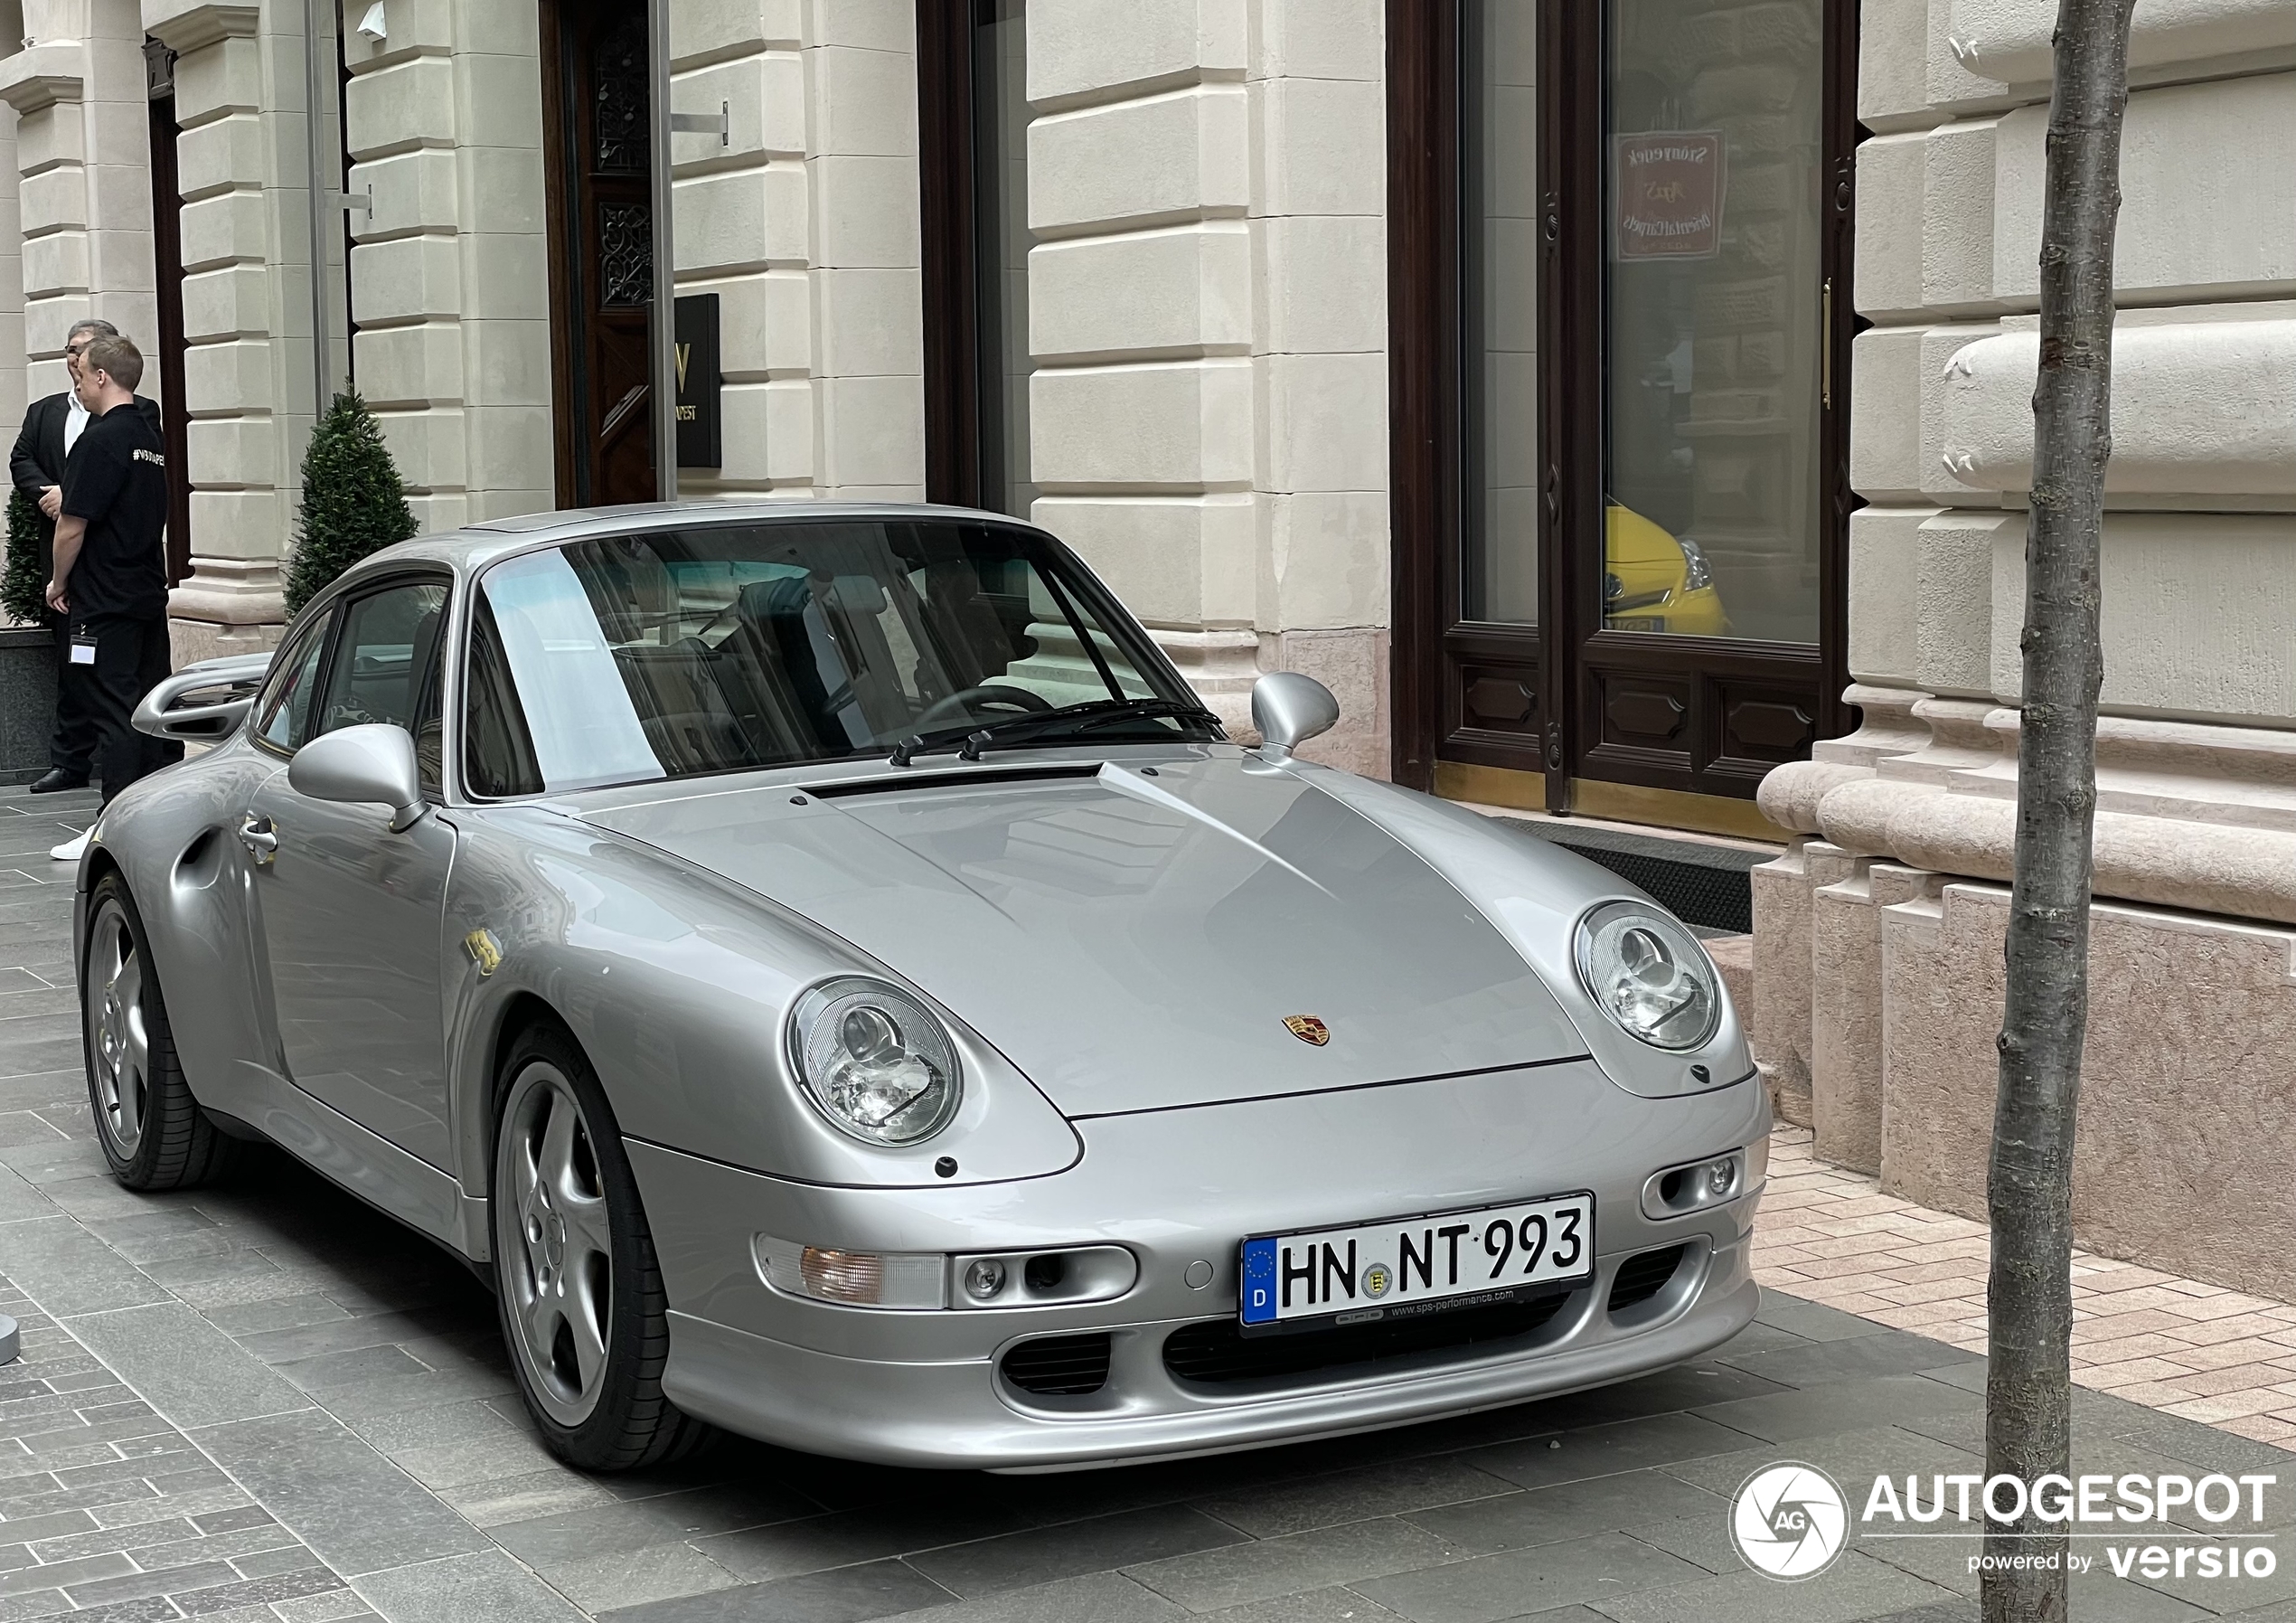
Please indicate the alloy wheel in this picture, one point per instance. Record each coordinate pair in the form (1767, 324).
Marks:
(554, 1245)
(119, 1044)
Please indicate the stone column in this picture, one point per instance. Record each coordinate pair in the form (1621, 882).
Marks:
(450, 286)
(233, 314)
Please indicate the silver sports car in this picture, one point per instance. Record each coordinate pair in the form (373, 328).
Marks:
(827, 970)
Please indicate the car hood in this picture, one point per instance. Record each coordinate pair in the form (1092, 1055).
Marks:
(1136, 940)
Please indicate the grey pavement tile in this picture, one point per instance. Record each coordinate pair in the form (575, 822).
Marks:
(1336, 1496)
(357, 1366)
(191, 1372)
(1069, 1549)
(1704, 1539)
(1321, 1558)
(279, 1313)
(1098, 1596)
(1852, 1459)
(445, 1425)
(21, 1202)
(525, 1498)
(256, 1591)
(283, 1558)
(356, 1509)
(1840, 1406)
(1601, 1450)
(843, 1538)
(1853, 1587)
(2194, 1443)
(394, 1394)
(1853, 1358)
(54, 1575)
(633, 1524)
(43, 1163)
(880, 1588)
(1604, 1567)
(50, 1092)
(22, 1127)
(135, 1586)
(633, 1577)
(482, 1584)
(1570, 1510)
(499, 1453)
(69, 1271)
(1345, 1606)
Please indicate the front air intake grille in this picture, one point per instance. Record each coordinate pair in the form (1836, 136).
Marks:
(1216, 1353)
(1062, 1366)
(1644, 1274)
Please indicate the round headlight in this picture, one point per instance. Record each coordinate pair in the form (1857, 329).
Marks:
(875, 1060)
(1649, 974)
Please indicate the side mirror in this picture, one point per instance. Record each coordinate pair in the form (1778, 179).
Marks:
(374, 763)
(201, 703)
(1290, 709)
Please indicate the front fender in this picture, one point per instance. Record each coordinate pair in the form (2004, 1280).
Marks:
(677, 985)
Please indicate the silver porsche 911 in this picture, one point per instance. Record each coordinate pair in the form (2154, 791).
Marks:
(829, 972)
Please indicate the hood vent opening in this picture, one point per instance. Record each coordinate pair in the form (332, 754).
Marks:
(1216, 1353)
(1061, 1366)
(903, 780)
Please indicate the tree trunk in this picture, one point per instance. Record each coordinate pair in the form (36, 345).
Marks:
(2029, 1389)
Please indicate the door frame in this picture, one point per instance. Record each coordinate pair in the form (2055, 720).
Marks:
(1512, 711)
(167, 265)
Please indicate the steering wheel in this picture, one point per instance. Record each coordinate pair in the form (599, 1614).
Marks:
(968, 702)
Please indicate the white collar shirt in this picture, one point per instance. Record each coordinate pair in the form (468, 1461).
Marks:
(75, 419)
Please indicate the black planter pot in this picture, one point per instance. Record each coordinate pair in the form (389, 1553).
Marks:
(27, 701)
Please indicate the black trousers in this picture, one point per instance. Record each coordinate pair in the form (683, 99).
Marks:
(131, 659)
(71, 746)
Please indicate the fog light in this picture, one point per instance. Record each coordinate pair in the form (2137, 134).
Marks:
(983, 1277)
(1677, 1191)
(853, 1279)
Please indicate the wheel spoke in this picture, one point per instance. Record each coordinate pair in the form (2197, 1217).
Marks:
(586, 1309)
(523, 1174)
(556, 1160)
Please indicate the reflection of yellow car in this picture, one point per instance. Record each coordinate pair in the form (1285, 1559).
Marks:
(1653, 581)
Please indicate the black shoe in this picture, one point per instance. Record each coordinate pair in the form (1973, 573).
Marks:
(56, 778)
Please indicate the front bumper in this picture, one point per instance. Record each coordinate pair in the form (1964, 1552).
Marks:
(1178, 1187)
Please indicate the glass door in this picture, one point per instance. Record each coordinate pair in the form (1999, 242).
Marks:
(1619, 486)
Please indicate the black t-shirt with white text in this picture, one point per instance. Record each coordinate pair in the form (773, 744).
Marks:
(115, 478)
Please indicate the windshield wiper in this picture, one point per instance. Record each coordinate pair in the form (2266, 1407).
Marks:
(1069, 721)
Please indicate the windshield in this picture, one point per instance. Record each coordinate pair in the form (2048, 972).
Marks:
(672, 653)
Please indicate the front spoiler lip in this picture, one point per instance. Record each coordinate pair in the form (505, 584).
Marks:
(949, 1416)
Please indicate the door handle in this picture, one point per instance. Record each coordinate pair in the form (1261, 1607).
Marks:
(261, 840)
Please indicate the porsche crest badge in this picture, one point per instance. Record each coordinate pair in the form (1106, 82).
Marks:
(1307, 1028)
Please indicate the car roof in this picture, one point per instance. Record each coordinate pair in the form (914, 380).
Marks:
(475, 546)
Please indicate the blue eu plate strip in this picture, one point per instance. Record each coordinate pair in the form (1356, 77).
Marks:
(1259, 1281)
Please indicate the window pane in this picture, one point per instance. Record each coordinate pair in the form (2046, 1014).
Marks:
(1711, 316)
(380, 658)
(1499, 217)
(1001, 217)
(287, 709)
(675, 653)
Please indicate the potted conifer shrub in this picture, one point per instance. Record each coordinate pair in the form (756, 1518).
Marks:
(27, 652)
(352, 501)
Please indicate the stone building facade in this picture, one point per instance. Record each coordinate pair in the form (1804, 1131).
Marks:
(1621, 404)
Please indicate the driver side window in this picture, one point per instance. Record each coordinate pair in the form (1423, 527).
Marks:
(284, 712)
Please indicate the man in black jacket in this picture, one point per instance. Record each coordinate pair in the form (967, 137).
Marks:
(51, 428)
(110, 571)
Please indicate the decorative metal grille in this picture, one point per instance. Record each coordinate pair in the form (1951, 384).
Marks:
(625, 253)
(618, 99)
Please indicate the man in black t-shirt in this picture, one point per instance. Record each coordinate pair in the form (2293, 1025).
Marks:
(111, 572)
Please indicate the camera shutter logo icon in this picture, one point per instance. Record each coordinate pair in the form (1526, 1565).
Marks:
(1789, 1521)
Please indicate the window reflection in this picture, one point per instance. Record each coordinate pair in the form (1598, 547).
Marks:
(1711, 316)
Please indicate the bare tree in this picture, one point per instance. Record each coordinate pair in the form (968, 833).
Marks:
(2029, 1385)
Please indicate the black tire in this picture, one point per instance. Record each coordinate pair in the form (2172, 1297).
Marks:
(153, 1131)
(556, 1253)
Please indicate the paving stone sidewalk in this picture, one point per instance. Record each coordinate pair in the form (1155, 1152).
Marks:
(2199, 1351)
(265, 1382)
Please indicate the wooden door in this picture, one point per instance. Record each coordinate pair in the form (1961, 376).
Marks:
(598, 173)
(1620, 481)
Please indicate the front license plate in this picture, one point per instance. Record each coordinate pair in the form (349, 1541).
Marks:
(1407, 1265)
